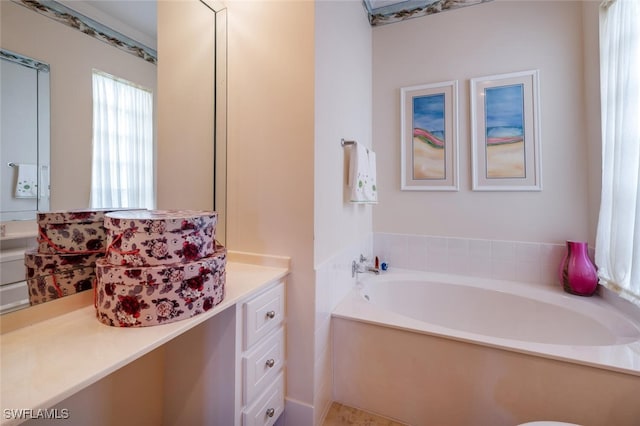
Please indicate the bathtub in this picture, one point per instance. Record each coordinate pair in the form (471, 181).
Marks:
(426, 348)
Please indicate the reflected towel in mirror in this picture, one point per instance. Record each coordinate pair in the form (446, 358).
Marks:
(27, 181)
(362, 175)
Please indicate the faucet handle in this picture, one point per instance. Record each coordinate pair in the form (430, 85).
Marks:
(363, 259)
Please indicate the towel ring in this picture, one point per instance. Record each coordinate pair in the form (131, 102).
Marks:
(346, 143)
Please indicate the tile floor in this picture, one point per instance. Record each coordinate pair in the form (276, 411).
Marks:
(342, 415)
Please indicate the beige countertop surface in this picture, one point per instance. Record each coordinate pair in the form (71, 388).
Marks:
(42, 364)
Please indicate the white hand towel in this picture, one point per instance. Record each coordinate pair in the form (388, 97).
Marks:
(362, 175)
(27, 181)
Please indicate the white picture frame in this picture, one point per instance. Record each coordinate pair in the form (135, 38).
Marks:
(505, 132)
(429, 137)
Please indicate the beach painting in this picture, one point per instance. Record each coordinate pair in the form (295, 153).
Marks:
(429, 150)
(505, 136)
(504, 132)
(429, 137)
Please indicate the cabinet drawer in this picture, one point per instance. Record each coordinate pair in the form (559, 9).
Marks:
(268, 407)
(13, 271)
(262, 365)
(13, 297)
(263, 314)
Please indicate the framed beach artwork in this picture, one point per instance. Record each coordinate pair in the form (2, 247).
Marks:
(505, 132)
(429, 137)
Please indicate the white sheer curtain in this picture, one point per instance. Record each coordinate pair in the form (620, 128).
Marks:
(618, 237)
(122, 167)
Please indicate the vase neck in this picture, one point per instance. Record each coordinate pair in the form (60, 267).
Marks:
(577, 247)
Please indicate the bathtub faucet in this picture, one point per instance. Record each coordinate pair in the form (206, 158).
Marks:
(362, 266)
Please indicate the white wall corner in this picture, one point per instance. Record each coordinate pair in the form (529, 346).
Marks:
(296, 413)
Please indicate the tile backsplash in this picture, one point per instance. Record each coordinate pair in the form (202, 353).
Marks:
(505, 260)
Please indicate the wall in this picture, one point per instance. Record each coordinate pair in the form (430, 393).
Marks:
(270, 204)
(493, 38)
(343, 49)
(72, 56)
(591, 46)
(343, 110)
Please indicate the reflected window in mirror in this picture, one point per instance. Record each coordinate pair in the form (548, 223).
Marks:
(122, 165)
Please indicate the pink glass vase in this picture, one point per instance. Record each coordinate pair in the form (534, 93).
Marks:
(578, 274)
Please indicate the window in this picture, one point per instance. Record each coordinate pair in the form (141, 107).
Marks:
(122, 166)
(618, 236)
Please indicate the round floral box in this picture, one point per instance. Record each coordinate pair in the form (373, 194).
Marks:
(150, 295)
(43, 288)
(80, 231)
(159, 237)
(38, 264)
(51, 276)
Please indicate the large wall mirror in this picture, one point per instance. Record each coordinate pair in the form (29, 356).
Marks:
(119, 38)
(24, 131)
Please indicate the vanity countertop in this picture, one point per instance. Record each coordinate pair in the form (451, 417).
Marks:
(44, 363)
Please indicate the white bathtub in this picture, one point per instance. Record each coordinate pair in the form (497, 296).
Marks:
(487, 336)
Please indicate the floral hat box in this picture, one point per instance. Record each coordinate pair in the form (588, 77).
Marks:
(43, 288)
(51, 276)
(159, 237)
(142, 296)
(38, 264)
(69, 231)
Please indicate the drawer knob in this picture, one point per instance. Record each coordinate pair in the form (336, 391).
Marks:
(271, 314)
(271, 412)
(270, 363)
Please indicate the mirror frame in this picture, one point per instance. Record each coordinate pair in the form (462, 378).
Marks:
(220, 123)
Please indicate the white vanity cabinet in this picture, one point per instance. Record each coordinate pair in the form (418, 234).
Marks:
(263, 357)
(14, 293)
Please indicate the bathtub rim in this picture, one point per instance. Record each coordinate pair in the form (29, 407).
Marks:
(622, 358)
